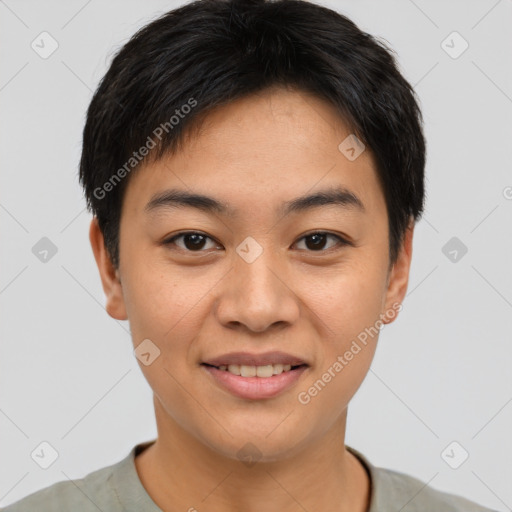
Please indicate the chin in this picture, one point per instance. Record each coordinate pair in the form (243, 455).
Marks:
(260, 445)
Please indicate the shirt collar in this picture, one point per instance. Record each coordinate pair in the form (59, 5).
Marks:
(133, 496)
(129, 489)
(371, 470)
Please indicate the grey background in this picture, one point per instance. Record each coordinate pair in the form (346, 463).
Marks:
(442, 370)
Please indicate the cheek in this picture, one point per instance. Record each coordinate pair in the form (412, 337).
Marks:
(161, 303)
(165, 309)
(349, 308)
(347, 300)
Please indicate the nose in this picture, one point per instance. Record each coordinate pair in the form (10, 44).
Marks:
(257, 296)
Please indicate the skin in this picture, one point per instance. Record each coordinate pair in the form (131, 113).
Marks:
(254, 154)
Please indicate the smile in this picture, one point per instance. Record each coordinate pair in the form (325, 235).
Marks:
(255, 382)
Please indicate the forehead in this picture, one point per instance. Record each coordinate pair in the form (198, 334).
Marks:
(258, 150)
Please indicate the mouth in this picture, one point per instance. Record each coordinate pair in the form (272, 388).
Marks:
(255, 382)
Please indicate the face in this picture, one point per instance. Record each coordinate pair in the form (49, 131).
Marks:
(261, 271)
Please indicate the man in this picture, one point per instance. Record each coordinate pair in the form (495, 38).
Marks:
(255, 170)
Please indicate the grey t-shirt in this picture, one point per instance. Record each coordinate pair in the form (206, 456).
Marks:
(117, 488)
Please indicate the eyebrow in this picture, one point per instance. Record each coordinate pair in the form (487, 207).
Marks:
(175, 198)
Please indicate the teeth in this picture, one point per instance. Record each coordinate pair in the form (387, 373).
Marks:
(277, 369)
(259, 371)
(247, 371)
(264, 371)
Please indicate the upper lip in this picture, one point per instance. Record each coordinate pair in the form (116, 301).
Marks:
(248, 359)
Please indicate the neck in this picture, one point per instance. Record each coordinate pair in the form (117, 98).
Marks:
(180, 472)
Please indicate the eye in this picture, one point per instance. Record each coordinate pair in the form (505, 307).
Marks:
(193, 241)
(317, 241)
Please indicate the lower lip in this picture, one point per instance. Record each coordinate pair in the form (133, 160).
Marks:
(255, 388)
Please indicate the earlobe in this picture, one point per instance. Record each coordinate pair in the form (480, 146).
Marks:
(399, 278)
(110, 278)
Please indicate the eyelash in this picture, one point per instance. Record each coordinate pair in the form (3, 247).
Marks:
(341, 241)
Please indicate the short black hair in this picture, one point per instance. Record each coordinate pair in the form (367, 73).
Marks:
(207, 53)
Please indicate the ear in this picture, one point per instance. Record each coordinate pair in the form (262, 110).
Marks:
(398, 278)
(109, 275)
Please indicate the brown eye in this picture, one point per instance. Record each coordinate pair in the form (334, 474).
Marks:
(192, 241)
(316, 242)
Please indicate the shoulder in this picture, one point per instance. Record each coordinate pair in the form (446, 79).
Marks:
(90, 493)
(394, 488)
